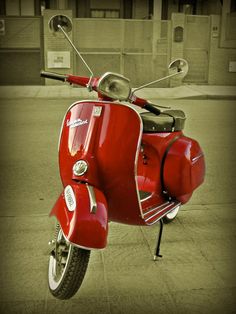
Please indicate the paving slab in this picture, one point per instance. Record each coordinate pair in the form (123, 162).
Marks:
(192, 275)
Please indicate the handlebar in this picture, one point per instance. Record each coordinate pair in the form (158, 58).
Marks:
(54, 76)
(83, 81)
(143, 103)
(152, 109)
(72, 79)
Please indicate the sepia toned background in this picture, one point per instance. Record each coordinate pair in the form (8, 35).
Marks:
(137, 38)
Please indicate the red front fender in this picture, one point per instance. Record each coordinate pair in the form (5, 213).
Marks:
(81, 211)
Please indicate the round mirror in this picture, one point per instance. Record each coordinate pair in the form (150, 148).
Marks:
(178, 66)
(61, 20)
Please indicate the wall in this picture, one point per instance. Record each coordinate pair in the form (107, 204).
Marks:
(140, 9)
(203, 48)
(130, 47)
(20, 54)
(123, 46)
(21, 32)
(220, 57)
(196, 47)
(190, 40)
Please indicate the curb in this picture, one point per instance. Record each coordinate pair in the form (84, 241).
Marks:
(183, 92)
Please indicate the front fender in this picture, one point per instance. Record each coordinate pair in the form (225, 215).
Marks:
(81, 211)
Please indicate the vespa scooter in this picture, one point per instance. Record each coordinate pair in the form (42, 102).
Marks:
(116, 165)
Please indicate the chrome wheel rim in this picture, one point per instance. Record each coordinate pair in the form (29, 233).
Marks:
(58, 261)
(173, 213)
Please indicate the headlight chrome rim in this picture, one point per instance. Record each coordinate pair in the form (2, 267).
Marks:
(110, 79)
(80, 167)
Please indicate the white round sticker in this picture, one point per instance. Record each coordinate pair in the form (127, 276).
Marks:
(70, 198)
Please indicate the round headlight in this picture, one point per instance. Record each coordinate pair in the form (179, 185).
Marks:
(80, 167)
(114, 85)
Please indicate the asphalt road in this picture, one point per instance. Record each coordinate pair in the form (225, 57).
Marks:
(197, 272)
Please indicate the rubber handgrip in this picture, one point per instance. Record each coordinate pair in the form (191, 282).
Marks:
(152, 109)
(53, 76)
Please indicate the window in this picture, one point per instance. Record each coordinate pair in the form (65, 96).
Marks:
(44, 4)
(105, 9)
(228, 24)
(233, 6)
(187, 6)
(19, 8)
(99, 13)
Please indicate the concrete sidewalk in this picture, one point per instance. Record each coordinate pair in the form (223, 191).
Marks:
(197, 272)
(66, 91)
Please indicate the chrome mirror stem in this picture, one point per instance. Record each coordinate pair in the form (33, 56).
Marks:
(153, 82)
(79, 54)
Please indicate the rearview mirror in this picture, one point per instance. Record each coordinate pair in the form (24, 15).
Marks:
(178, 66)
(61, 20)
(177, 69)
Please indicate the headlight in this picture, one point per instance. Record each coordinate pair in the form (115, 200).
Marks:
(80, 167)
(114, 85)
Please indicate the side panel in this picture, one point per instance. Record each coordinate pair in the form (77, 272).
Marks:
(170, 162)
(184, 168)
(80, 226)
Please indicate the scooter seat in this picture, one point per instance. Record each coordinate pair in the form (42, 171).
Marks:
(167, 121)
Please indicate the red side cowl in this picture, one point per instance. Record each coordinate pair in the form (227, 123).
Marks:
(184, 168)
(80, 226)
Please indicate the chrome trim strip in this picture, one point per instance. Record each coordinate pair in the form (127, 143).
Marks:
(158, 212)
(156, 208)
(108, 73)
(136, 158)
(172, 208)
(92, 198)
(146, 198)
(152, 223)
(195, 159)
(77, 245)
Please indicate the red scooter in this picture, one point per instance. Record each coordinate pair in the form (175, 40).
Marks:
(116, 165)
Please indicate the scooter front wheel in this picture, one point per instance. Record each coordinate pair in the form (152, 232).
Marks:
(171, 215)
(67, 267)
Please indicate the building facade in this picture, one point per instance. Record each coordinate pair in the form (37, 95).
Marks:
(137, 38)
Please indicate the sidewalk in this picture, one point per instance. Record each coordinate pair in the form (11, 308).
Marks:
(197, 272)
(65, 91)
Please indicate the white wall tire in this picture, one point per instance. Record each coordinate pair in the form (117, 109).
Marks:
(171, 215)
(67, 267)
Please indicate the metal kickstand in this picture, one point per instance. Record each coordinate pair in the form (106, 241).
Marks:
(157, 250)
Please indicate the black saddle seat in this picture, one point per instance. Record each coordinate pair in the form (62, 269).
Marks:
(167, 121)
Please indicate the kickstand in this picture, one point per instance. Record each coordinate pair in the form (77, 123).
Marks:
(157, 250)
